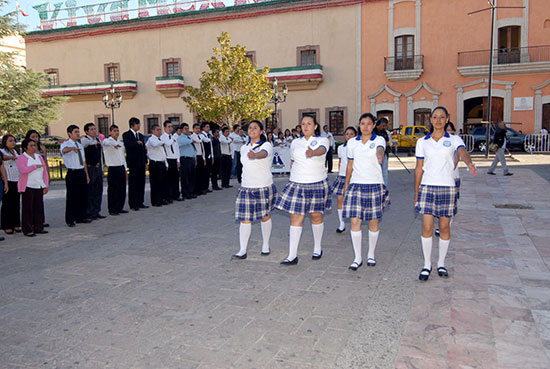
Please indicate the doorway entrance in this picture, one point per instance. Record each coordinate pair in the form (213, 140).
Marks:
(475, 110)
(545, 117)
(388, 114)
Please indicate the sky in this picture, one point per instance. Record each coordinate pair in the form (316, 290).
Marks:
(32, 22)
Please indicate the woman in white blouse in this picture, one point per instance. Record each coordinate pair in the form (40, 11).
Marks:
(11, 217)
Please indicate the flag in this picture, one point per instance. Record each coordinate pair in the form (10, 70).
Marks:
(21, 10)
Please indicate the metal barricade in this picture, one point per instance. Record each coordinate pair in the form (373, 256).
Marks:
(536, 143)
(53, 152)
(468, 141)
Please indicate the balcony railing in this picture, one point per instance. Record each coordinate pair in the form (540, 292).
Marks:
(531, 54)
(393, 63)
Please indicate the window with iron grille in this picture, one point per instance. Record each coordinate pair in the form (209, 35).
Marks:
(113, 74)
(172, 69)
(103, 125)
(52, 79)
(336, 122)
(150, 122)
(308, 57)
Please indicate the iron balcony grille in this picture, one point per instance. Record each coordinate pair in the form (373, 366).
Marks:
(531, 54)
(396, 63)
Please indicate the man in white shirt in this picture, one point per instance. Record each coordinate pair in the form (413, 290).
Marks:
(157, 166)
(236, 151)
(94, 164)
(331, 148)
(206, 139)
(226, 147)
(170, 141)
(76, 179)
(201, 159)
(115, 159)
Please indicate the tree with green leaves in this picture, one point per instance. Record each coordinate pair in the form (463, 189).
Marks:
(232, 89)
(22, 106)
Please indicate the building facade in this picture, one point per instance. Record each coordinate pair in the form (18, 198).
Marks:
(14, 44)
(417, 54)
(311, 45)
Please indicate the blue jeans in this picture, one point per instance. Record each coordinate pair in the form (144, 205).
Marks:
(385, 170)
(234, 165)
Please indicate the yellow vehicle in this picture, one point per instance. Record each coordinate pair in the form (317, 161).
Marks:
(410, 134)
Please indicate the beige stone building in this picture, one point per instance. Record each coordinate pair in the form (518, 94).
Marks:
(14, 44)
(312, 45)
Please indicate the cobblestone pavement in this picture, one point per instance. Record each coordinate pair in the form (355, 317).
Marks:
(157, 289)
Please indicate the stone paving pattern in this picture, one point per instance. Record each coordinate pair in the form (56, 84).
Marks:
(157, 289)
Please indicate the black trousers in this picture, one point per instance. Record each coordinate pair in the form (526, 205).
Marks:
(187, 176)
(33, 210)
(11, 216)
(95, 191)
(207, 174)
(77, 196)
(328, 161)
(116, 190)
(215, 175)
(157, 176)
(136, 186)
(239, 167)
(172, 183)
(199, 175)
(225, 170)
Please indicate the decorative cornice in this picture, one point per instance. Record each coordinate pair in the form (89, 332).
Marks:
(419, 87)
(485, 80)
(506, 69)
(542, 85)
(382, 89)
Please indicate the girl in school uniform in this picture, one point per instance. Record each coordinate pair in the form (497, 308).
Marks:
(307, 192)
(366, 195)
(435, 188)
(338, 184)
(257, 194)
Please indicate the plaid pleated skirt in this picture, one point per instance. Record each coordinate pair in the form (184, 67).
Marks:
(304, 198)
(365, 201)
(439, 201)
(337, 187)
(255, 203)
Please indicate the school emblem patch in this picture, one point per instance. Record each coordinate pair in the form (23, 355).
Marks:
(447, 143)
(372, 145)
(313, 143)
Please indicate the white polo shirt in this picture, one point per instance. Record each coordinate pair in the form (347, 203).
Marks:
(366, 168)
(257, 172)
(439, 159)
(342, 155)
(304, 169)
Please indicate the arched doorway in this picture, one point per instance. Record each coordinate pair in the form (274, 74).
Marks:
(475, 111)
(388, 114)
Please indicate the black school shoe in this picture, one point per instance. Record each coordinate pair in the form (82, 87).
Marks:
(290, 262)
(423, 276)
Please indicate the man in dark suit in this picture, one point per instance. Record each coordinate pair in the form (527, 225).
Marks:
(136, 160)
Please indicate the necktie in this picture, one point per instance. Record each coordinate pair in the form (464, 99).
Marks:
(80, 160)
(171, 143)
(100, 151)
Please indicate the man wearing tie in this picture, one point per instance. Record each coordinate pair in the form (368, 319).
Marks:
(157, 167)
(94, 163)
(201, 160)
(188, 159)
(206, 138)
(76, 179)
(171, 184)
(113, 152)
(136, 159)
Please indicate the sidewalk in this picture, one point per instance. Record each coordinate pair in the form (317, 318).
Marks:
(157, 289)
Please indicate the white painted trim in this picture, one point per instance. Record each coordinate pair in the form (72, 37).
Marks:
(393, 33)
(405, 31)
(462, 96)
(295, 73)
(542, 85)
(419, 87)
(382, 89)
(485, 80)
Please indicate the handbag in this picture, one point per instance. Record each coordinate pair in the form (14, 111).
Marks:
(493, 147)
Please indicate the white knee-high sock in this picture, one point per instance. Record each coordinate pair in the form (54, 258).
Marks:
(427, 251)
(244, 234)
(443, 248)
(373, 239)
(356, 239)
(266, 234)
(317, 237)
(341, 219)
(293, 241)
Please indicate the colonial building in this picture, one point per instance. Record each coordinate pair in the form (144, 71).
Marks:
(312, 45)
(417, 54)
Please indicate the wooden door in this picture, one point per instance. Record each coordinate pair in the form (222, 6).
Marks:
(545, 117)
(497, 109)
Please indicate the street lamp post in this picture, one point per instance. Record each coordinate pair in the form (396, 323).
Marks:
(276, 99)
(112, 100)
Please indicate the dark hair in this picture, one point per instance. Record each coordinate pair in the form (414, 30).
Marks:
(133, 121)
(204, 124)
(87, 126)
(30, 132)
(225, 128)
(350, 128)
(235, 127)
(166, 122)
(325, 126)
(440, 108)
(25, 143)
(196, 125)
(287, 130)
(111, 128)
(449, 124)
(318, 128)
(153, 126)
(263, 137)
(367, 115)
(71, 128)
(183, 125)
(381, 121)
(5, 140)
